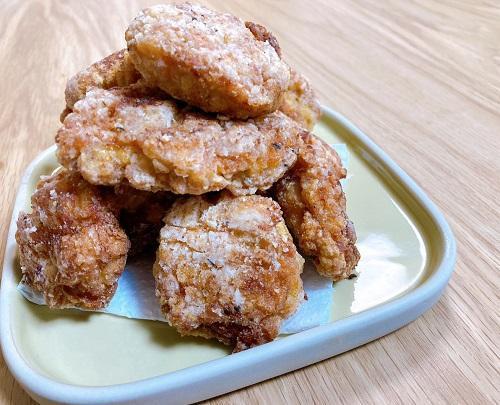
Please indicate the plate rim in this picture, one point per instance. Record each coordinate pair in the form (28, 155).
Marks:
(406, 307)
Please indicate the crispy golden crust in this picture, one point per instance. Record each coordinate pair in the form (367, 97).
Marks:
(314, 208)
(299, 101)
(155, 144)
(71, 247)
(208, 59)
(115, 70)
(228, 269)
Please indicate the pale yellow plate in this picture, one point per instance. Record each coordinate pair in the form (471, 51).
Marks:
(403, 242)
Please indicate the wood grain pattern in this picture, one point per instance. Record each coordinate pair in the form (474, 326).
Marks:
(421, 78)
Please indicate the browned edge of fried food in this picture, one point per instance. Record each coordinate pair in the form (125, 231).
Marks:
(262, 34)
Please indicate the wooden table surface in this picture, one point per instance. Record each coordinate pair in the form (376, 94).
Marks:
(421, 78)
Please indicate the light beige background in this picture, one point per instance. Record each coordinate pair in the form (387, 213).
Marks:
(423, 80)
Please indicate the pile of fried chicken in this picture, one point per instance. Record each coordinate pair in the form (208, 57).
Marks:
(193, 141)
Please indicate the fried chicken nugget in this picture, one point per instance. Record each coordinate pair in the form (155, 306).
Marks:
(154, 144)
(228, 269)
(115, 70)
(71, 247)
(314, 208)
(299, 101)
(208, 59)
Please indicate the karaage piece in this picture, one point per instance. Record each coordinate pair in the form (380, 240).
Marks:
(299, 101)
(208, 59)
(115, 70)
(141, 215)
(71, 247)
(227, 268)
(155, 144)
(314, 208)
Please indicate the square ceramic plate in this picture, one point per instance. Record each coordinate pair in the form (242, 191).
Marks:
(408, 253)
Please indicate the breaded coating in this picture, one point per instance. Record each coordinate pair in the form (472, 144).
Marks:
(141, 215)
(299, 101)
(314, 208)
(155, 144)
(115, 70)
(227, 268)
(208, 59)
(71, 247)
